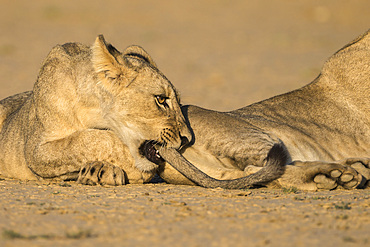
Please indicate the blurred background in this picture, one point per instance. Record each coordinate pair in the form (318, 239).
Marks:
(220, 54)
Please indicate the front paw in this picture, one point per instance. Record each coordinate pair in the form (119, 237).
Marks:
(103, 173)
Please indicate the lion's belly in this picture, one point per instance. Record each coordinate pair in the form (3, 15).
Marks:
(325, 147)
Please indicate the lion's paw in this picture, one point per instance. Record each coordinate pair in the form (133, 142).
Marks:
(362, 166)
(101, 173)
(332, 176)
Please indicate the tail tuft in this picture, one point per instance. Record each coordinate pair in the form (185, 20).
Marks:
(277, 158)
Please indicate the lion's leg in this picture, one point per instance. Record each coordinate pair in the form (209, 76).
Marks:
(320, 175)
(64, 158)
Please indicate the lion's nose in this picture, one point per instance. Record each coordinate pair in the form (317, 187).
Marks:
(185, 135)
(184, 141)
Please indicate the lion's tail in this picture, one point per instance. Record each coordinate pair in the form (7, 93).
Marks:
(274, 168)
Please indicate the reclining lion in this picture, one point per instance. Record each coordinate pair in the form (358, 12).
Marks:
(93, 115)
(324, 127)
(87, 116)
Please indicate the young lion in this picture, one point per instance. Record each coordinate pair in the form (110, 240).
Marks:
(321, 125)
(93, 114)
(91, 108)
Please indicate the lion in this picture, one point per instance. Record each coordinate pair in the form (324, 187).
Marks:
(93, 116)
(90, 111)
(324, 128)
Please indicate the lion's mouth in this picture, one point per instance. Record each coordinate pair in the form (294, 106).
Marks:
(148, 150)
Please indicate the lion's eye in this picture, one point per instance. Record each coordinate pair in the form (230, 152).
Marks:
(161, 100)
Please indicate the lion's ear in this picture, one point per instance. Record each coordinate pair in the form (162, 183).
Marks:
(139, 53)
(107, 60)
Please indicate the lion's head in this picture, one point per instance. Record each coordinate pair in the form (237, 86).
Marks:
(139, 103)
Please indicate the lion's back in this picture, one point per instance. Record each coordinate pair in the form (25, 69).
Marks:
(11, 104)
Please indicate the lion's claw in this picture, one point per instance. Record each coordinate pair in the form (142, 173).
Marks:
(101, 173)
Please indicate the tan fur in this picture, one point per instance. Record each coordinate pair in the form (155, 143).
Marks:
(90, 108)
(322, 126)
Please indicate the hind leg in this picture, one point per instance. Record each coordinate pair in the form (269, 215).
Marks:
(320, 175)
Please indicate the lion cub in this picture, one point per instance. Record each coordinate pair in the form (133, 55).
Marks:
(89, 116)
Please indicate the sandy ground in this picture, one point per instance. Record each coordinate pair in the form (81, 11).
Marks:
(67, 214)
(220, 55)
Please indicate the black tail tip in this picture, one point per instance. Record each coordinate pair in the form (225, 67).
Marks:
(278, 155)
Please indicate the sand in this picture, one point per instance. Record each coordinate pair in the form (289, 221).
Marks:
(220, 55)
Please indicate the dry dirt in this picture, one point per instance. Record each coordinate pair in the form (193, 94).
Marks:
(220, 55)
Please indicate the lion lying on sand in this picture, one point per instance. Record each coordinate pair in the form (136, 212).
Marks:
(90, 111)
(324, 128)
